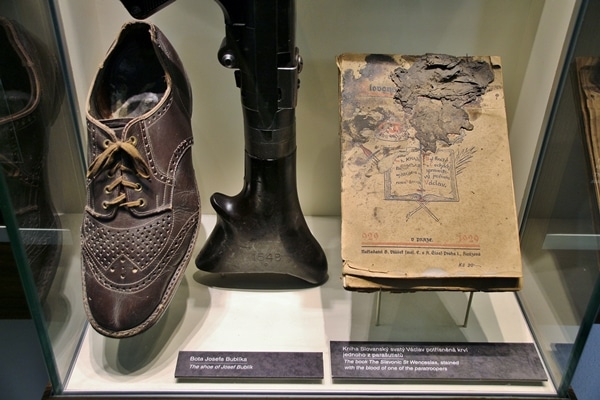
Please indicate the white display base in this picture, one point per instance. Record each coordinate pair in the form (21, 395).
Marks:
(202, 318)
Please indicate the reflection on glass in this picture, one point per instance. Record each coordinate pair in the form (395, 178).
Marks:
(31, 91)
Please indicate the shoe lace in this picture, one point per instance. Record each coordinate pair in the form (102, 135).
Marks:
(111, 160)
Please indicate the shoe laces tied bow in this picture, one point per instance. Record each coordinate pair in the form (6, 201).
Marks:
(113, 159)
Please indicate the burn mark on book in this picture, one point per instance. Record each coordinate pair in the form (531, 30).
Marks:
(434, 92)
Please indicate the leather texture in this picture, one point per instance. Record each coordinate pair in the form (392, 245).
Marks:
(30, 98)
(142, 210)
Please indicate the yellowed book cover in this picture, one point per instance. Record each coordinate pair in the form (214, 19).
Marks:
(427, 191)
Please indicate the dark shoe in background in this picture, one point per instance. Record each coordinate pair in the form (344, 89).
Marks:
(143, 209)
(31, 92)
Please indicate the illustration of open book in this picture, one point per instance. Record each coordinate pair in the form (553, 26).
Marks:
(422, 178)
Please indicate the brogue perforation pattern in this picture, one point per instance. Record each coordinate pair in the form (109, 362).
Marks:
(147, 148)
(20, 123)
(93, 146)
(159, 113)
(101, 277)
(177, 154)
(143, 243)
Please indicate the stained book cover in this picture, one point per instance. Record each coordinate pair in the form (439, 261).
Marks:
(427, 190)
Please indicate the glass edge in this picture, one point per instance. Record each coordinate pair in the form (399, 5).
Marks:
(71, 367)
(561, 83)
(537, 341)
(583, 333)
(27, 283)
(564, 385)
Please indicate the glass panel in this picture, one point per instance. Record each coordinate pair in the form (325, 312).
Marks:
(41, 168)
(560, 239)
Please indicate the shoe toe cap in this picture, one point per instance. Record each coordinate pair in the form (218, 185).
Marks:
(122, 313)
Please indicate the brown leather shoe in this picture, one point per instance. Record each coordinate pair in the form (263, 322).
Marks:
(143, 208)
(30, 98)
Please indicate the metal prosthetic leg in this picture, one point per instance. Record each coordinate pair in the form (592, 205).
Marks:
(262, 229)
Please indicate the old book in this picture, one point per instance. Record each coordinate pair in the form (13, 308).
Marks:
(427, 191)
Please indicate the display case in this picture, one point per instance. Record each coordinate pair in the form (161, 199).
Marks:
(559, 231)
(533, 338)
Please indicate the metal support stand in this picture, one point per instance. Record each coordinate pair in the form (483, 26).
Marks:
(466, 320)
(378, 309)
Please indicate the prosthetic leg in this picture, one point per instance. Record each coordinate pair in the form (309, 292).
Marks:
(262, 229)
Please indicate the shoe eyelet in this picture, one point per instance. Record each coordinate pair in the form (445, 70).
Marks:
(138, 187)
(142, 203)
(110, 175)
(107, 190)
(133, 140)
(105, 205)
(106, 143)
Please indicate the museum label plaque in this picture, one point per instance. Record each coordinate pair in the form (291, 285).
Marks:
(242, 364)
(514, 362)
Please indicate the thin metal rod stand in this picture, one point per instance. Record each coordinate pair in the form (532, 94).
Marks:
(466, 320)
(378, 309)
